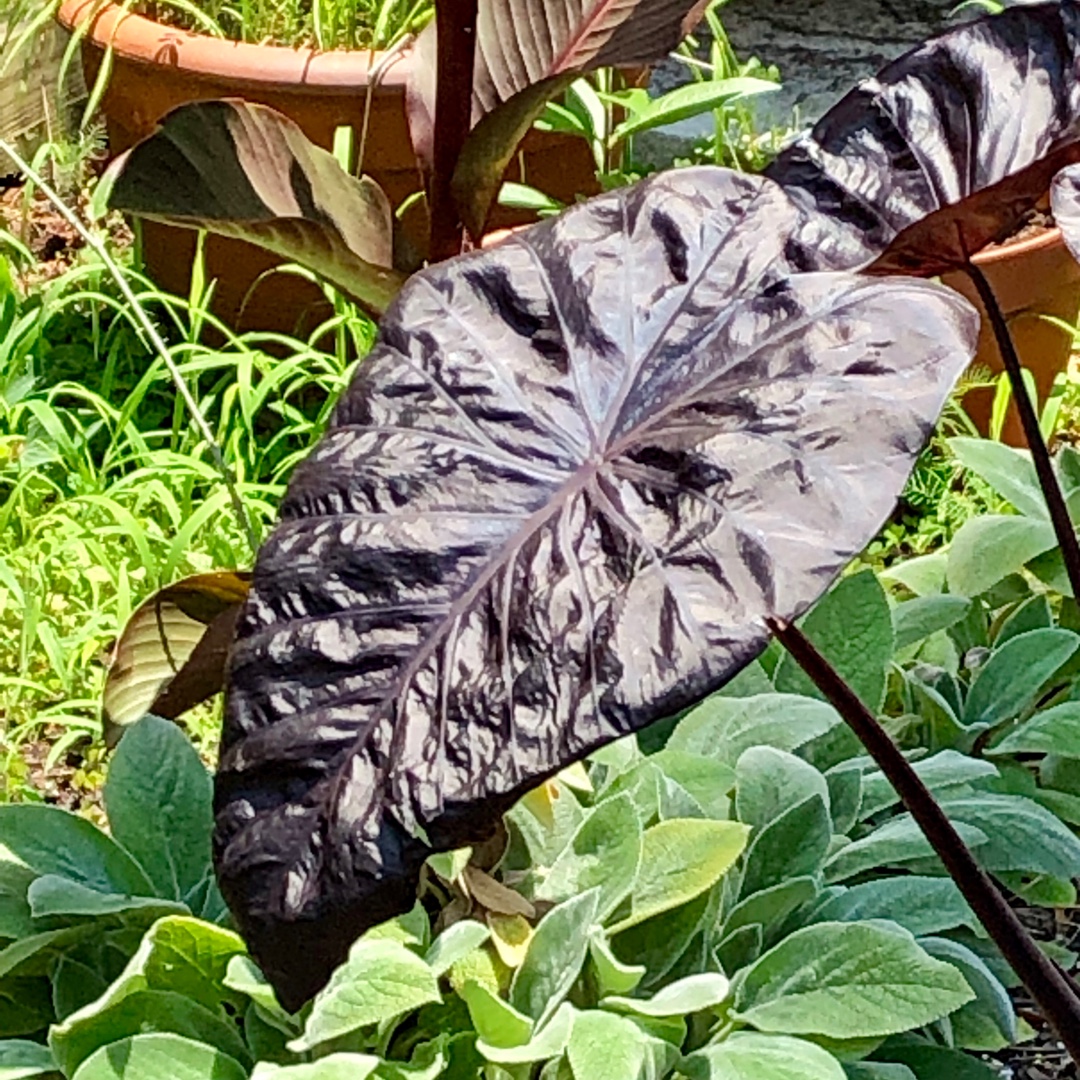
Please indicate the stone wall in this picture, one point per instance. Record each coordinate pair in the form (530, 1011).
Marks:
(823, 47)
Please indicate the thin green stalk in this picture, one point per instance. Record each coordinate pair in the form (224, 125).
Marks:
(242, 516)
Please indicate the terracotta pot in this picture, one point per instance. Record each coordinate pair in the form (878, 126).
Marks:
(1030, 278)
(157, 67)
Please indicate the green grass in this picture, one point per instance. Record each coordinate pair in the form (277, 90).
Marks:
(107, 489)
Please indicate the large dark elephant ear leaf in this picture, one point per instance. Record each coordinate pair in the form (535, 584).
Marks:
(247, 172)
(171, 654)
(944, 150)
(557, 503)
(527, 51)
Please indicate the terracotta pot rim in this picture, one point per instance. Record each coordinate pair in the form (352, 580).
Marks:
(136, 38)
(1049, 239)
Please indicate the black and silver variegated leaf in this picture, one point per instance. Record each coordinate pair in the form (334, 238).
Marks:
(944, 150)
(557, 503)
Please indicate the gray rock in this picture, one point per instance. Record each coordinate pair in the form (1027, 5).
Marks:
(822, 48)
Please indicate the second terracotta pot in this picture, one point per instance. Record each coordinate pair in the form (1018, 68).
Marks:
(155, 68)
(1030, 278)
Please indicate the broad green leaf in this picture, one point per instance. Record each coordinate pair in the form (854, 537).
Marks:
(449, 865)
(26, 1006)
(1021, 834)
(171, 654)
(428, 1061)
(1033, 614)
(1066, 807)
(496, 1021)
(555, 956)
(482, 966)
(660, 944)
(455, 943)
(380, 981)
(988, 548)
(770, 782)
(845, 782)
(1013, 676)
(53, 896)
(690, 100)
(921, 905)
(156, 1056)
(723, 727)
(612, 975)
(158, 796)
(680, 860)
(605, 853)
(175, 979)
(27, 955)
(15, 918)
(915, 620)
(140, 1012)
(243, 976)
(674, 801)
(245, 171)
(924, 575)
(848, 980)
(793, 845)
(878, 1070)
(939, 772)
(1008, 471)
(899, 840)
(1042, 890)
(929, 1062)
(331, 1067)
(603, 1046)
(545, 837)
(708, 780)
(769, 907)
(990, 994)
(684, 996)
(548, 1042)
(1053, 731)
(413, 928)
(20, 1059)
(852, 628)
(49, 840)
(746, 1056)
(752, 681)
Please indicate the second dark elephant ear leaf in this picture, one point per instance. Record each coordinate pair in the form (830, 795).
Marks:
(247, 172)
(557, 503)
(171, 654)
(945, 150)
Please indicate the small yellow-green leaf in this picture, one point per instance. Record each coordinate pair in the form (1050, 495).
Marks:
(681, 858)
(381, 980)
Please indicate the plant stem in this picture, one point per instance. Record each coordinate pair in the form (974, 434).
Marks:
(1040, 455)
(243, 518)
(1046, 983)
(456, 29)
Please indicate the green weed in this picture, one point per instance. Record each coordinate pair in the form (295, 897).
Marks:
(109, 490)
